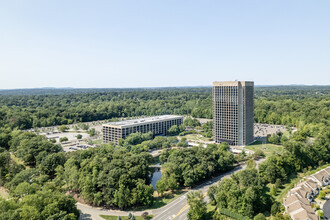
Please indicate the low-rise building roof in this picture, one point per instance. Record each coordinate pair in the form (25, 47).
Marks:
(300, 191)
(304, 215)
(294, 198)
(312, 183)
(320, 175)
(297, 207)
(327, 170)
(142, 121)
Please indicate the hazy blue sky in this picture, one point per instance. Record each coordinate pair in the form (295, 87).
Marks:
(67, 43)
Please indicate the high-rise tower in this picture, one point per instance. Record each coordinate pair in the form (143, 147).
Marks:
(233, 112)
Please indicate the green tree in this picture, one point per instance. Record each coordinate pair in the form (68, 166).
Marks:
(63, 128)
(52, 140)
(276, 207)
(260, 216)
(174, 130)
(79, 136)
(197, 205)
(30, 212)
(251, 164)
(161, 186)
(63, 139)
(91, 132)
(51, 162)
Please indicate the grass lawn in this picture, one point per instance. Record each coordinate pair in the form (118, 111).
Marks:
(196, 137)
(99, 141)
(266, 148)
(114, 217)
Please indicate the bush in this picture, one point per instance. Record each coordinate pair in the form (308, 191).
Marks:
(320, 213)
(260, 216)
(258, 154)
(233, 215)
(63, 128)
(321, 195)
(62, 139)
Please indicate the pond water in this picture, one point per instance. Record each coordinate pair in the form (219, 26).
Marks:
(155, 177)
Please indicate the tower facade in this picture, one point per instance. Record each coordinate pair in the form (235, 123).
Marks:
(233, 112)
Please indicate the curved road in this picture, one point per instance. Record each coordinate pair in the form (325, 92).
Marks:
(177, 209)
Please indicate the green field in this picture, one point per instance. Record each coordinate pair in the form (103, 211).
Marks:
(114, 217)
(266, 148)
(196, 137)
(99, 141)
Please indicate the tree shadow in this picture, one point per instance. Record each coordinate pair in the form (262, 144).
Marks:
(85, 216)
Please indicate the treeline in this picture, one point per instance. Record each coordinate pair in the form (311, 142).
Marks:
(290, 106)
(47, 110)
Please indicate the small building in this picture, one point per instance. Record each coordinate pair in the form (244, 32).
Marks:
(158, 125)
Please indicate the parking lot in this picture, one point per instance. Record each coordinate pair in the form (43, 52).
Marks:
(78, 146)
(262, 130)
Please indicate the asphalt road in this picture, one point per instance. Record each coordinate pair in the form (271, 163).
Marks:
(326, 209)
(177, 209)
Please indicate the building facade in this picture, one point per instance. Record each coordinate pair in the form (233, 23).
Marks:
(158, 125)
(233, 115)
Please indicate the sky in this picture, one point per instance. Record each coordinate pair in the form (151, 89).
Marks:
(163, 43)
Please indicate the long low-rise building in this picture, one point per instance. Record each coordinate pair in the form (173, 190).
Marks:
(158, 125)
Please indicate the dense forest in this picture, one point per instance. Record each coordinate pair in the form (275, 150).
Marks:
(34, 169)
(282, 105)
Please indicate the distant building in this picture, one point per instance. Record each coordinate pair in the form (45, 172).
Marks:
(158, 125)
(233, 112)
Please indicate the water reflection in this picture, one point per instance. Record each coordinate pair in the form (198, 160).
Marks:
(155, 177)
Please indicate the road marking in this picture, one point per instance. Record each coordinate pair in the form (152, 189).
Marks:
(173, 203)
(182, 210)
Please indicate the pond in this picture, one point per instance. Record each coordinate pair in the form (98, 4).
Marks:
(155, 177)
